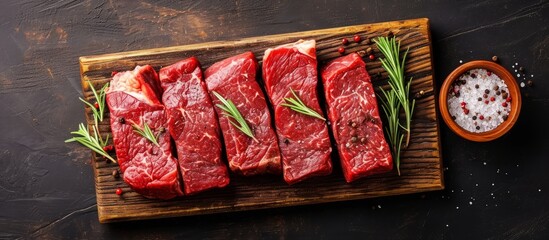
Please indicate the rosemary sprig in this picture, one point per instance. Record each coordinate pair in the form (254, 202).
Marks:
(95, 142)
(397, 98)
(391, 108)
(390, 48)
(297, 105)
(146, 132)
(230, 111)
(100, 97)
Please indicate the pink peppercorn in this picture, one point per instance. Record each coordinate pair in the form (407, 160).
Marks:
(504, 104)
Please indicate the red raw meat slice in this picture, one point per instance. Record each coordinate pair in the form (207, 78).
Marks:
(193, 124)
(148, 169)
(235, 79)
(303, 140)
(353, 112)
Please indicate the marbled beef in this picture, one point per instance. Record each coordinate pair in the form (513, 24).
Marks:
(353, 112)
(304, 141)
(133, 97)
(193, 125)
(235, 79)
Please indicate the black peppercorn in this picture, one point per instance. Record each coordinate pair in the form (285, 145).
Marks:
(286, 141)
(115, 174)
(474, 117)
(505, 95)
(473, 75)
(479, 99)
(495, 58)
(354, 139)
(521, 69)
(122, 120)
(478, 127)
(476, 86)
(530, 83)
(505, 117)
(496, 87)
(498, 93)
(485, 95)
(486, 91)
(453, 117)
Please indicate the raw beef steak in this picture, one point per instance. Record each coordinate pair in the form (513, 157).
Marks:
(352, 109)
(303, 140)
(193, 124)
(235, 79)
(148, 169)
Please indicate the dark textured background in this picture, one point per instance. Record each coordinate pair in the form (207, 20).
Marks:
(498, 189)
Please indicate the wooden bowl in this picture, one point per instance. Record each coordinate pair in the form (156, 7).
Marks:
(514, 92)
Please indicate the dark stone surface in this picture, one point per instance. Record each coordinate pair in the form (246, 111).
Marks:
(493, 190)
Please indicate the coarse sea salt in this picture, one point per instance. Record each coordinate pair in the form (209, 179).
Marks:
(479, 101)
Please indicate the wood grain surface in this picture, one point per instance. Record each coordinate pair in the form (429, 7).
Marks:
(421, 165)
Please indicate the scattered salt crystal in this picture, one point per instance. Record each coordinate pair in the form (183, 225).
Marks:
(518, 74)
(378, 206)
(496, 205)
(539, 190)
(516, 64)
(497, 171)
(508, 192)
(452, 190)
(522, 84)
(447, 225)
(492, 194)
(516, 70)
(470, 203)
(460, 61)
(493, 184)
(476, 185)
(532, 75)
(513, 66)
(457, 207)
(484, 163)
(461, 190)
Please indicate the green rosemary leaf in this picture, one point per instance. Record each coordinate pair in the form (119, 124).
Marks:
(146, 132)
(95, 143)
(230, 111)
(397, 98)
(297, 105)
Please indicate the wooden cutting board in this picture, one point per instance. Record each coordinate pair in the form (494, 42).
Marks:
(421, 165)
